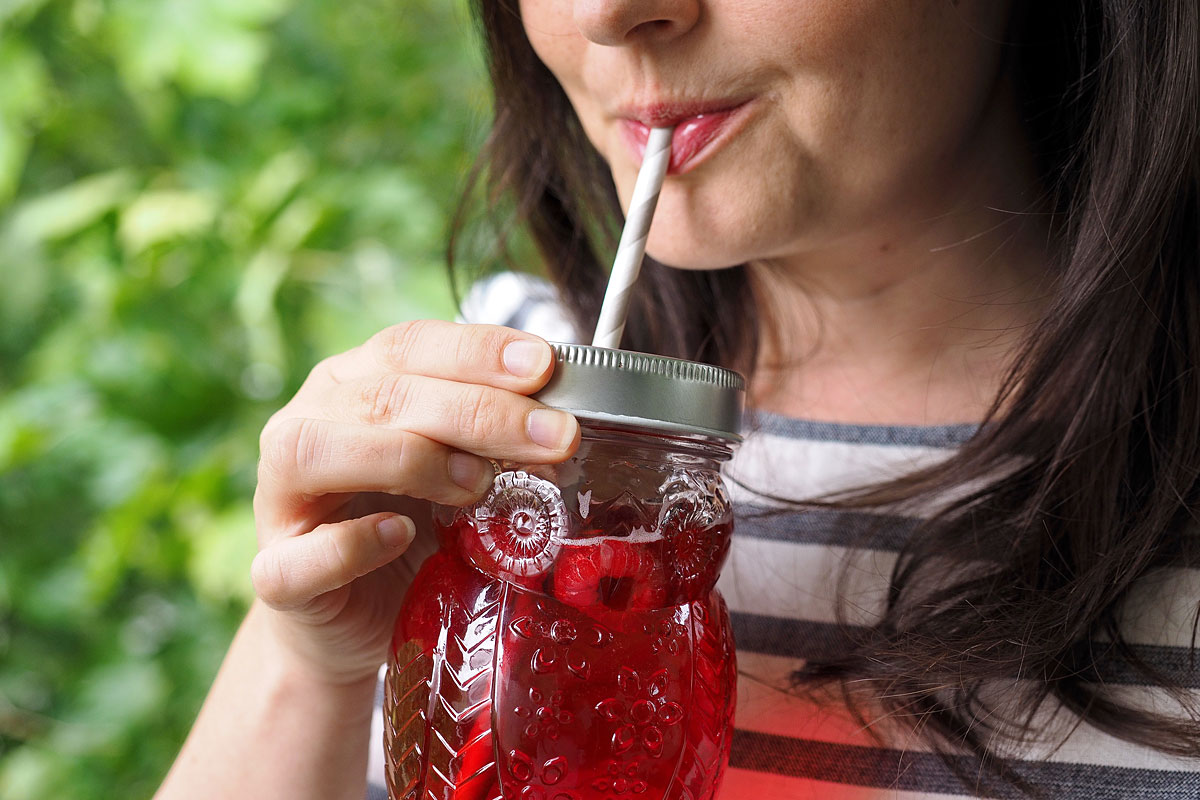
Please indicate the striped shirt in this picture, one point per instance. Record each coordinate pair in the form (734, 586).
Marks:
(789, 570)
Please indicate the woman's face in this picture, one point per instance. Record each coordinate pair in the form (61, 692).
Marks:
(801, 124)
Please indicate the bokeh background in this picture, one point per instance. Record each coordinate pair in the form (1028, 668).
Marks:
(199, 199)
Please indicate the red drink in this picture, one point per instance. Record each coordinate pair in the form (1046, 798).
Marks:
(566, 642)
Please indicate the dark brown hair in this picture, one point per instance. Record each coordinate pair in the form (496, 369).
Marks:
(1090, 476)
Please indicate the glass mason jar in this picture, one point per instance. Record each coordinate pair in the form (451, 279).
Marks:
(566, 641)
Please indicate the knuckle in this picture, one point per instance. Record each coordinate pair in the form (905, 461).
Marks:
(269, 579)
(267, 435)
(485, 340)
(373, 452)
(259, 502)
(295, 447)
(269, 449)
(397, 345)
(340, 554)
(325, 369)
(477, 413)
(411, 461)
(387, 399)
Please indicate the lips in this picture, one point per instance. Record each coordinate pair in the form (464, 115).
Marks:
(699, 129)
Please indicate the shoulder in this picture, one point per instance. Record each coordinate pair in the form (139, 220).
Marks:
(517, 300)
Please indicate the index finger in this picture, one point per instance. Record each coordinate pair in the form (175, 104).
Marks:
(489, 354)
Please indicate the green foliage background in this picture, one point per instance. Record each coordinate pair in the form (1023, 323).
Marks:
(199, 199)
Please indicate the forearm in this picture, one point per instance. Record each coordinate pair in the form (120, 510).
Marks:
(268, 731)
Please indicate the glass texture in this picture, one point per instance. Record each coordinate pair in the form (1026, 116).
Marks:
(566, 641)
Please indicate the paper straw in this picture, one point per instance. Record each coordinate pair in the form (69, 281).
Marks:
(633, 239)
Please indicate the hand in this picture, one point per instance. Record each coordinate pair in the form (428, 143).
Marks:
(349, 466)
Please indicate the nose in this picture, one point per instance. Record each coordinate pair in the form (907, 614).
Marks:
(625, 22)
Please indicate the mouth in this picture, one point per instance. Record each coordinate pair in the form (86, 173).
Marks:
(700, 129)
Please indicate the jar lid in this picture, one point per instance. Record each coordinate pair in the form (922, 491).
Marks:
(644, 390)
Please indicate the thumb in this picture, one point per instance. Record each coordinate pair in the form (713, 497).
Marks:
(292, 571)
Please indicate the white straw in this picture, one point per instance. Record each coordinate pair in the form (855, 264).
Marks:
(633, 239)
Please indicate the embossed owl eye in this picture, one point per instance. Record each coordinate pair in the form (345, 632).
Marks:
(691, 499)
(693, 521)
(521, 525)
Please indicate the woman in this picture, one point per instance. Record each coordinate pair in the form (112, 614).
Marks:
(964, 230)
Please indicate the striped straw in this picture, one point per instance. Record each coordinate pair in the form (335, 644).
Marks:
(633, 239)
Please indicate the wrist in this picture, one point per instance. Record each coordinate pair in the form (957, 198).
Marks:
(292, 671)
(273, 728)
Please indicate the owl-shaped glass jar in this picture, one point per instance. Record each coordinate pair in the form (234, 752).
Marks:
(566, 641)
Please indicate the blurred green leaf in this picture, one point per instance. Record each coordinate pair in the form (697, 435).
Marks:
(32, 773)
(159, 216)
(276, 181)
(211, 47)
(224, 546)
(14, 10)
(72, 208)
(26, 88)
(117, 695)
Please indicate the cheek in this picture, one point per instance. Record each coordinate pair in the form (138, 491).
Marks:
(885, 94)
(557, 42)
(554, 37)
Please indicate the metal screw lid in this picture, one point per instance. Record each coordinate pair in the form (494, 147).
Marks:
(643, 390)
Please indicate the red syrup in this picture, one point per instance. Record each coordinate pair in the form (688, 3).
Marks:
(543, 656)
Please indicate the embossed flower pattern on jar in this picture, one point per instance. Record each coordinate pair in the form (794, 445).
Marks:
(620, 779)
(548, 773)
(544, 714)
(641, 711)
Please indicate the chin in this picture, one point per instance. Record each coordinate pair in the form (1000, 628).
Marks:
(695, 232)
(680, 253)
(694, 265)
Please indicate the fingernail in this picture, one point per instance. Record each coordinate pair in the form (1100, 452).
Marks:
(551, 428)
(395, 531)
(526, 359)
(470, 472)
